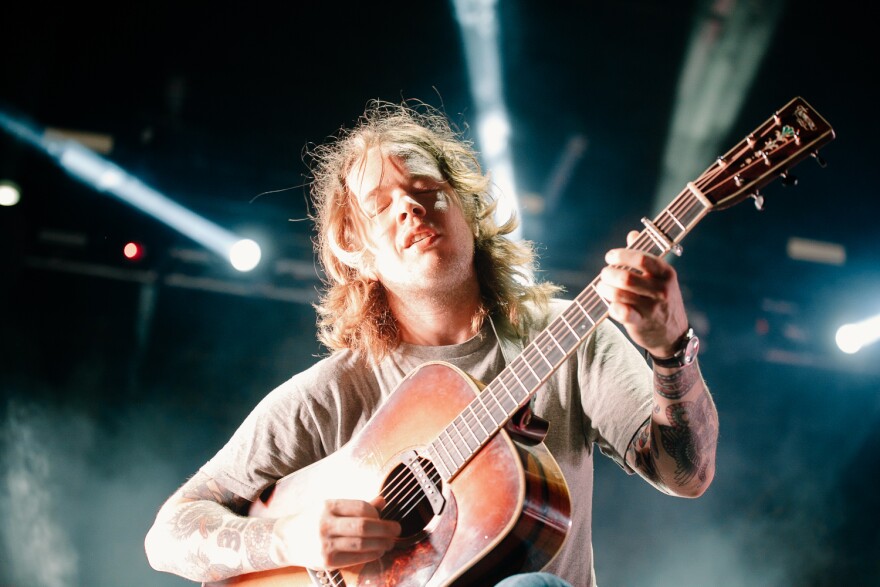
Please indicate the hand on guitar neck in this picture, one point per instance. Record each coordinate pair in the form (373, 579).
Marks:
(644, 296)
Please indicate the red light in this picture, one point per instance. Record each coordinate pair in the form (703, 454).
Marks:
(132, 251)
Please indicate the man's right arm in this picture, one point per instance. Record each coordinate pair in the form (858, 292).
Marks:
(199, 534)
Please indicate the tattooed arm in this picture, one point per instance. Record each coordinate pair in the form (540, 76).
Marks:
(675, 448)
(199, 534)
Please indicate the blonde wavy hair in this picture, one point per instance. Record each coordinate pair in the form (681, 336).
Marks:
(352, 311)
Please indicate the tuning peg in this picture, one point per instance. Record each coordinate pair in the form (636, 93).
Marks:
(788, 180)
(759, 200)
(819, 159)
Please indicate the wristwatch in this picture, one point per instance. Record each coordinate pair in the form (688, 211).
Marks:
(688, 348)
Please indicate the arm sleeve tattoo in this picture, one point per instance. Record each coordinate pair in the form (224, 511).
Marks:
(687, 436)
(215, 542)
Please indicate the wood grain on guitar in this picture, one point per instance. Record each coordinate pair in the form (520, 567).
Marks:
(475, 503)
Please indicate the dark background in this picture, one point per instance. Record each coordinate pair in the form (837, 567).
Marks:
(119, 379)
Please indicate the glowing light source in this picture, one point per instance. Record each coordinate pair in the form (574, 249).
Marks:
(478, 21)
(245, 254)
(10, 195)
(851, 338)
(133, 251)
(494, 130)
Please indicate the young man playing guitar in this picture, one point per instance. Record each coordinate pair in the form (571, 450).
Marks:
(417, 270)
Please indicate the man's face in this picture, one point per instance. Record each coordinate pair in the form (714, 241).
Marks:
(419, 236)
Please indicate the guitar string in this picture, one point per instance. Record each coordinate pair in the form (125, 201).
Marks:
(418, 496)
(405, 487)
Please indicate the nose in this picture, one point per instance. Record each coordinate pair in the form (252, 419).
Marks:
(408, 208)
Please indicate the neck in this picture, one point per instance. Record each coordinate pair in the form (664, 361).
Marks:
(431, 319)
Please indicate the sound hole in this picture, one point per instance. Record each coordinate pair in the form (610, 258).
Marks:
(405, 498)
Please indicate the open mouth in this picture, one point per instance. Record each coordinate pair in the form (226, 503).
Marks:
(421, 237)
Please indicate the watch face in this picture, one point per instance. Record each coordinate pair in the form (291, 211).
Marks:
(690, 352)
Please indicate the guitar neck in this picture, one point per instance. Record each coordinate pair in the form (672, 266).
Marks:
(790, 135)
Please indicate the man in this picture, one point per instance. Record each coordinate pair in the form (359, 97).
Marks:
(418, 270)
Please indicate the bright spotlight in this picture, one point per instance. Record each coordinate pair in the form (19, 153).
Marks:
(245, 254)
(133, 251)
(10, 195)
(494, 132)
(478, 20)
(851, 338)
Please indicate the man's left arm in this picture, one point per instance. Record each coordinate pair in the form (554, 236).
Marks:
(675, 448)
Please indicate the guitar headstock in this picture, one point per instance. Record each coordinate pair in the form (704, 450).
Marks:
(794, 133)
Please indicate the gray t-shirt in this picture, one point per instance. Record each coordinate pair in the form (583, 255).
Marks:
(600, 395)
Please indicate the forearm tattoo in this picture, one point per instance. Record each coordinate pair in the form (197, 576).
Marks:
(688, 439)
(247, 537)
(687, 443)
(675, 385)
(644, 454)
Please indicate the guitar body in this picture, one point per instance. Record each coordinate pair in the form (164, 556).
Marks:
(507, 511)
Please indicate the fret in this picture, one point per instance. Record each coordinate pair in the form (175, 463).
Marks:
(508, 410)
(587, 314)
(455, 446)
(446, 462)
(674, 219)
(564, 321)
(491, 390)
(524, 387)
(581, 327)
(478, 419)
(436, 459)
(486, 409)
(538, 348)
(598, 295)
(455, 425)
(532, 370)
(556, 342)
(661, 241)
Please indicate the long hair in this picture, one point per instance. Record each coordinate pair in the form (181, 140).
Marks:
(353, 312)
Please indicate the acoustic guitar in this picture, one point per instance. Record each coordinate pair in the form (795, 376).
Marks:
(462, 466)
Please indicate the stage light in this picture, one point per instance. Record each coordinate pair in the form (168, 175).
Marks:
(494, 131)
(245, 254)
(10, 195)
(851, 338)
(133, 251)
(478, 20)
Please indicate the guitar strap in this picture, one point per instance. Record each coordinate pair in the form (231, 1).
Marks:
(511, 345)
